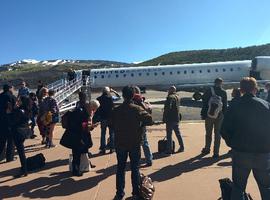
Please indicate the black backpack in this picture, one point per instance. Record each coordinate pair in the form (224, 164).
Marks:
(35, 162)
(226, 189)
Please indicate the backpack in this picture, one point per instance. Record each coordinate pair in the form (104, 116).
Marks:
(214, 105)
(147, 189)
(226, 189)
(65, 119)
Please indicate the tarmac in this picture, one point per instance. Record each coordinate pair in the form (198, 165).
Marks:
(182, 176)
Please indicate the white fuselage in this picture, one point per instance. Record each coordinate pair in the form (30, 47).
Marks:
(160, 77)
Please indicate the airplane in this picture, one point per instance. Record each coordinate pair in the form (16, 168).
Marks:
(186, 77)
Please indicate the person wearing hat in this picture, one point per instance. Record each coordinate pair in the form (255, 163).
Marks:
(213, 122)
(171, 117)
(7, 104)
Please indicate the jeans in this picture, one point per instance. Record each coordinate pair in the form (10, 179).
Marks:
(242, 165)
(173, 126)
(146, 148)
(20, 149)
(209, 125)
(7, 143)
(104, 125)
(134, 156)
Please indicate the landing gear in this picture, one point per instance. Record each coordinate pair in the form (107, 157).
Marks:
(197, 96)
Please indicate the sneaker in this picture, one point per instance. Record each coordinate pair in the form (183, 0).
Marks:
(21, 174)
(149, 164)
(52, 145)
(215, 155)
(43, 141)
(33, 136)
(111, 150)
(205, 151)
(77, 173)
(181, 149)
(102, 152)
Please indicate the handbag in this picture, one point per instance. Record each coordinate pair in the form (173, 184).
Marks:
(84, 163)
(147, 189)
(162, 146)
(67, 140)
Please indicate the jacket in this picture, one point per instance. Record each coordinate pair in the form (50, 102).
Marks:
(206, 97)
(127, 121)
(171, 109)
(106, 106)
(246, 126)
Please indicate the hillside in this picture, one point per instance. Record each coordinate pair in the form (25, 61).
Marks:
(47, 71)
(210, 55)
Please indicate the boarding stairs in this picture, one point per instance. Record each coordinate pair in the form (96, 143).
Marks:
(64, 89)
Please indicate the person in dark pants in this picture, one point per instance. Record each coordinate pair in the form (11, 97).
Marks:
(103, 113)
(79, 129)
(171, 117)
(19, 126)
(246, 130)
(7, 104)
(127, 121)
(211, 122)
(267, 87)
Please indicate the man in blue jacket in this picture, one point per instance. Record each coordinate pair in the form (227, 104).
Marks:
(246, 129)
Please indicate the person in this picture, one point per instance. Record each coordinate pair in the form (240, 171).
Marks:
(139, 100)
(246, 130)
(71, 74)
(127, 121)
(210, 122)
(171, 117)
(82, 100)
(43, 129)
(19, 120)
(79, 130)
(34, 113)
(236, 94)
(23, 90)
(103, 113)
(39, 86)
(52, 107)
(267, 87)
(7, 102)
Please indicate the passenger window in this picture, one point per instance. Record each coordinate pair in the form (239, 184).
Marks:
(102, 76)
(192, 71)
(132, 75)
(155, 73)
(147, 74)
(178, 72)
(185, 72)
(140, 74)
(163, 73)
(208, 70)
(116, 75)
(171, 73)
(216, 70)
(95, 76)
(200, 71)
(124, 75)
(224, 70)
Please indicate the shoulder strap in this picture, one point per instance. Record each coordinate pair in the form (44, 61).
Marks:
(213, 91)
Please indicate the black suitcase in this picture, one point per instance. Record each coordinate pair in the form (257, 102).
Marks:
(35, 162)
(162, 145)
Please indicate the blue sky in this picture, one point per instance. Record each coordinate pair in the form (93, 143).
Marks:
(126, 30)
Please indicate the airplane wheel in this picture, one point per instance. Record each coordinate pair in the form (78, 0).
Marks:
(197, 96)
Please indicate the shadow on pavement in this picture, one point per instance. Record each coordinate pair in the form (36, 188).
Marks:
(57, 184)
(197, 162)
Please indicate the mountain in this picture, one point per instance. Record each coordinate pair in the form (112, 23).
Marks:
(47, 71)
(209, 55)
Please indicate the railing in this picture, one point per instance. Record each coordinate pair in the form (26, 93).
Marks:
(67, 107)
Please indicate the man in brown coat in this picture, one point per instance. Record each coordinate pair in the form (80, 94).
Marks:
(128, 120)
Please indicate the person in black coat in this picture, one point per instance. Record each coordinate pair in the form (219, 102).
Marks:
(78, 133)
(7, 103)
(19, 125)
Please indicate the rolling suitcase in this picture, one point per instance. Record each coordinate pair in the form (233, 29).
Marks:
(162, 145)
